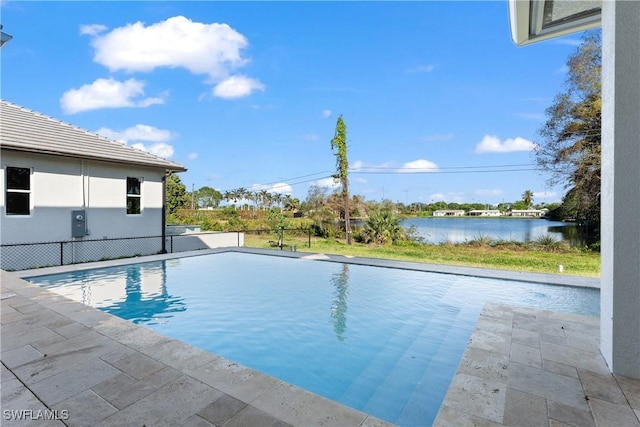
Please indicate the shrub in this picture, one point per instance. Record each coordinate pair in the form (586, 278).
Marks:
(382, 227)
(548, 243)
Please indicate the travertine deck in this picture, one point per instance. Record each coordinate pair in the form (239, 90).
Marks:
(85, 367)
(526, 367)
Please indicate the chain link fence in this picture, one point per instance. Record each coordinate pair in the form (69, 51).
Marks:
(24, 256)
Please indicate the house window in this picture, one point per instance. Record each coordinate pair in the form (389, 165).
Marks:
(134, 186)
(18, 193)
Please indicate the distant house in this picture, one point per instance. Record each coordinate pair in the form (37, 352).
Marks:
(62, 183)
(530, 213)
(485, 212)
(445, 212)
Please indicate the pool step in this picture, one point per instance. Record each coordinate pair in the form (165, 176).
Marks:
(427, 396)
(411, 347)
(396, 390)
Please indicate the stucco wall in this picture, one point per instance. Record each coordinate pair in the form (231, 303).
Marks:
(60, 185)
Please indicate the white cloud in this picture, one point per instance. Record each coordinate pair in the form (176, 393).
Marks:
(326, 114)
(358, 164)
(106, 93)
(311, 137)
(211, 49)
(159, 149)
(138, 132)
(421, 69)
(419, 166)
(192, 156)
(237, 87)
(327, 182)
(416, 166)
(92, 30)
(280, 187)
(492, 144)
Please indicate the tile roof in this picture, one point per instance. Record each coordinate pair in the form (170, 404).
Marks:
(25, 130)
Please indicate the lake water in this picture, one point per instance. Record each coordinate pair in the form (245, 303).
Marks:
(458, 230)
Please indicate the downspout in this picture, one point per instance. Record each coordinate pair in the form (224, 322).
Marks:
(164, 214)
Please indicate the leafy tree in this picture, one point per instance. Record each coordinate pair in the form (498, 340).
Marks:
(339, 144)
(176, 194)
(278, 223)
(570, 146)
(519, 205)
(208, 197)
(316, 197)
(527, 198)
(317, 209)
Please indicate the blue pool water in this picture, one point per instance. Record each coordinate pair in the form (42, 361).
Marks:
(384, 341)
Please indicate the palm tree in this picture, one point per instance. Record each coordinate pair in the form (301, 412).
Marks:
(527, 198)
(278, 198)
(265, 198)
(291, 204)
(382, 227)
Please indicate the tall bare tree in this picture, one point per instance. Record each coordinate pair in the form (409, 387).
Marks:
(339, 145)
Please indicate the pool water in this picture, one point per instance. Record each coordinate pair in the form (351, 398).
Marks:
(384, 341)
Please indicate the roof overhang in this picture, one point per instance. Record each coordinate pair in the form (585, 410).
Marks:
(536, 20)
(4, 38)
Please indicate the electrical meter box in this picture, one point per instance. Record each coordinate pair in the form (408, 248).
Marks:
(78, 223)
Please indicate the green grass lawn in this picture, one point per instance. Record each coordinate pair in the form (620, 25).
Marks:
(508, 256)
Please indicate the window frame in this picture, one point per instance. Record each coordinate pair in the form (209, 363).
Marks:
(133, 196)
(8, 190)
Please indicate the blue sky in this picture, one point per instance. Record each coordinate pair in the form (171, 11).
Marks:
(435, 96)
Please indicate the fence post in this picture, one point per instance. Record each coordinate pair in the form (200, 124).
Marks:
(309, 237)
(238, 233)
(171, 241)
(61, 253)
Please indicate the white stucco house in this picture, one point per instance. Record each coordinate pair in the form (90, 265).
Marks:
(527, 213)
(484, 212)
(445, 212)
(63, 183)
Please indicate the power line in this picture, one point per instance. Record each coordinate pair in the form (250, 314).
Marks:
(442, 172)
(297, 177)
(443, 167)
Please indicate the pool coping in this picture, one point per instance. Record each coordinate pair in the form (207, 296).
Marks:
(135, 359)
(520, 276)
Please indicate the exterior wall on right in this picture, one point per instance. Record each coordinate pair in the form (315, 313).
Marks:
(620, 223)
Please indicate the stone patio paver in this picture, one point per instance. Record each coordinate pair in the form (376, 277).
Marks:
(555, 375)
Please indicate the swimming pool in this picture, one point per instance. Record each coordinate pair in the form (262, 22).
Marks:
(381, 340)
